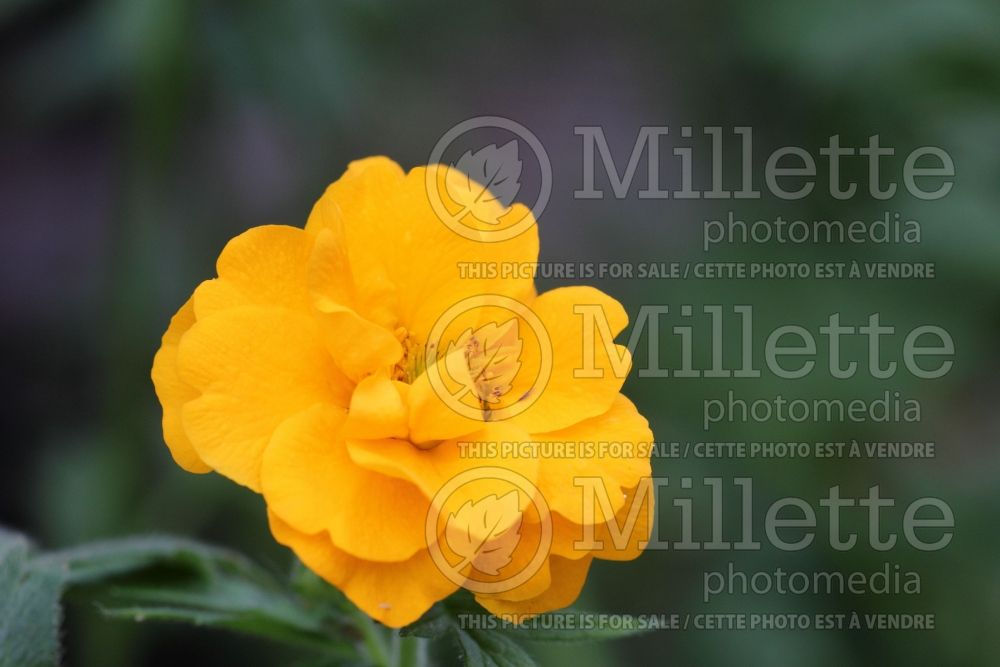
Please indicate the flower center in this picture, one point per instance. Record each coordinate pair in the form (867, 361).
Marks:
(413, 362)
(490, 360)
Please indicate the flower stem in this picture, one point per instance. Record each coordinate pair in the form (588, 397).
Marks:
(411, 652)
(373, 640)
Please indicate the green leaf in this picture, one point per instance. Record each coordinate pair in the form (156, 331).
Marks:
(318, 593)
(172, 579)
(428, 628)
(29, 606)
(99, 561)
(479, 647)
(498, 644)
(485, 648)
(540, 631)
(433, 624)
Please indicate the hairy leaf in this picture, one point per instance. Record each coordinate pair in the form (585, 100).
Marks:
(29, 606)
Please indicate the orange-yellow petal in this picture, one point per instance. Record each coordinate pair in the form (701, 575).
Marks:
(310, 482)
(629, 536)
(471, 209)
(528, 577)
(431, 469)
(568, 576)
(611, 453)
(174, 393)
(351, 275)
(357, 196)
(436, 411)
(394, 594)
(359, 345)
(377, 409)
(578, 351)
(264, 266)
(388, 224)
(255, 366)
(623, 538)
(434, 267)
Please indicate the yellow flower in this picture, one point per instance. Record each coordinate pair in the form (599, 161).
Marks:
(319, 369)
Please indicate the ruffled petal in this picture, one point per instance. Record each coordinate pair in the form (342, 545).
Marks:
(358, 196)
(310, 482)
(390, 227)
(174, 393)
(262, 266)
(568, 576)
(525, 576)
(255, 366)
(359, 345)
(435, 408)
(629, 536)
(394, 594)
(351, 274)
(431, 469)
(435, 268)
(378, 409)
(577, 352)
(351, 211)
(612, 450)
(624, 538)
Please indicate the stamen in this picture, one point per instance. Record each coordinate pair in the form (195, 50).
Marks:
(412, 364)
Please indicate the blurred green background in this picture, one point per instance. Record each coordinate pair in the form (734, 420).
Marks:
(139, 136)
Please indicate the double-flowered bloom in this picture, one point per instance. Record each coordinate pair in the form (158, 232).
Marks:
(306, 371)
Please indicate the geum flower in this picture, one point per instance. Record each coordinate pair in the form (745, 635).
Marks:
(302, 372)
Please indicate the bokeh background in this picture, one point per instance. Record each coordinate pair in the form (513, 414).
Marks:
(138, 136)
